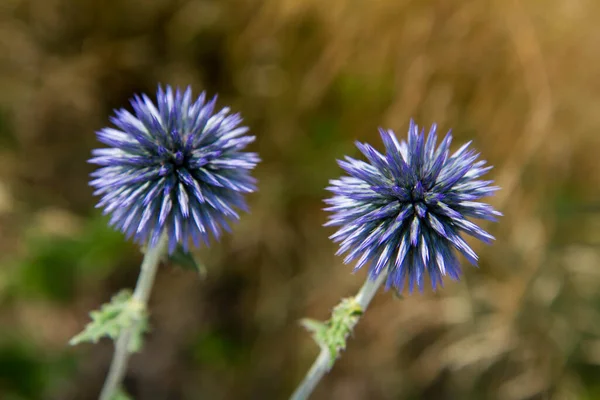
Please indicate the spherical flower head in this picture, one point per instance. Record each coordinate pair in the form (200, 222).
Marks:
(176, 166)
(403, 211)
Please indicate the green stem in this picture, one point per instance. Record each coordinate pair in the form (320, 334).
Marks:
(140, 297)
(323, 363)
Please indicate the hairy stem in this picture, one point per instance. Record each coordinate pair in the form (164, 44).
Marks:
(140, 297)
(323, 363)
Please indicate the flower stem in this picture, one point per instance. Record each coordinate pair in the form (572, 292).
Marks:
(140, 297)
(324, 363)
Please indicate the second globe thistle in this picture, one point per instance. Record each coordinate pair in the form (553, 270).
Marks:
(175, 167)
(404, 210)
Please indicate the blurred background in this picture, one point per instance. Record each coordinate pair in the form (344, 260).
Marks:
(519, 77)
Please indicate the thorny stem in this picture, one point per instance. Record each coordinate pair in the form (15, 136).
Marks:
(140, 297)
(323, 363)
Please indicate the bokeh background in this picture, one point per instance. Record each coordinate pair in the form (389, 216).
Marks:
(521, 78)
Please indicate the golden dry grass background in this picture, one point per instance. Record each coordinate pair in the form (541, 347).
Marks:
(518, 77)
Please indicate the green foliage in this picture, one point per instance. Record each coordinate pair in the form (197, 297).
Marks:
(121, 313)
(53, 264)
(21, 370)
(324, 131)
(332, 334)
(29, 371)
(216, 349)
(51, 269)
(100, 246)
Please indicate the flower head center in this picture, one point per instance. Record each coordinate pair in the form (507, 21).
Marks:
(171, 160)
(417, 193)
(417, 199)
(178, 158)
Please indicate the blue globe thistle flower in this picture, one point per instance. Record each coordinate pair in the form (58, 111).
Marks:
(405, 210)
(176, 166)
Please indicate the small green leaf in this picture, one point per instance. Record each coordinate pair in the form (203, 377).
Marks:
(121, 313)
(313, 325)
(332, 334)
(121, 395)
(186, 260)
